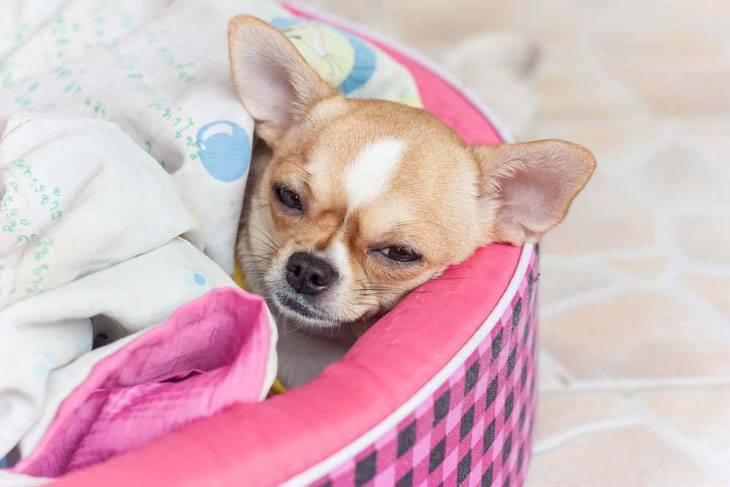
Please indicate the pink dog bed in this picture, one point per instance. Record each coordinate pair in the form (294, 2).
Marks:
(442, 389)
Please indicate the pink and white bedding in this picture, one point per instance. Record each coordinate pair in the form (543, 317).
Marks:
(204, 358)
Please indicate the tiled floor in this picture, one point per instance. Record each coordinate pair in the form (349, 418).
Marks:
(635, 377)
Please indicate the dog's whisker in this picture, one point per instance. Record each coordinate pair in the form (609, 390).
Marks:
(254, 257)
(267, 236)
(272, 248)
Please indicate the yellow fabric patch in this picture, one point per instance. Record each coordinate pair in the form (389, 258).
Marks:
(239, 277)
(277, 388)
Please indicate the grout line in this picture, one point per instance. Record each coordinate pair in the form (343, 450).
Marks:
(563, 374)
(556, 441)
(622, 253)
(675, 439)
(593, 122)
(548, 311)
(693, 299)
(561, 260)
(636, 385)
(667, 247)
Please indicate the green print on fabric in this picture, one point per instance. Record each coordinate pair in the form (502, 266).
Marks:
(18, 218)
(174, 117)
(25, 99)
(40, 254)
(7, 42)
(24, 194)
(74, 87)
(7, 72)
(68, 38)
(180, 67)
(60, 31)
(14, 37)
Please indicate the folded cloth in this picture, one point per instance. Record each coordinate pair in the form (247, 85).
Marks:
(115, 252)
(150, 387)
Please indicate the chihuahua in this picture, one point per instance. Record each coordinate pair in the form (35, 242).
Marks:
(353, 203)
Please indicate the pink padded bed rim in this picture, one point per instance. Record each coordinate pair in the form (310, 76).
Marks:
(300, 435)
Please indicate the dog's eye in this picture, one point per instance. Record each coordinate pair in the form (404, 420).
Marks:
(288, 198)
(399, 253)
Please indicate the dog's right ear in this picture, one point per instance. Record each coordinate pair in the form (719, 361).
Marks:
(272, 79)
(527, 188)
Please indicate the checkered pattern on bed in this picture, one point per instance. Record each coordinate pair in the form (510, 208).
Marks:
(476, 429)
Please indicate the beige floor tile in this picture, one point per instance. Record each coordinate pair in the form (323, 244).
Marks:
(562, 412)
(626, 15)
(567, 90)
(560, 40)
(672, 40)
(670, 88)
(604, 216)
(706, 13)
(551, 374)
(619, 146)
(699, 415)
(562, 279)
(679, 175)
(705, 238)
(714, 289)
(652, 268)
(626, 457)
(710, 136)
(564, 13)
(640, 334)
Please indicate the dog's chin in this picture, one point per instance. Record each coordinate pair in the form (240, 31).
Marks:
(295, 308)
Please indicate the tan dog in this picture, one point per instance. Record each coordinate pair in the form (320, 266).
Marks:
(357, 202)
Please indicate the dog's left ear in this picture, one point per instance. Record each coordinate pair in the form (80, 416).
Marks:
(272, 79)
(527, 188)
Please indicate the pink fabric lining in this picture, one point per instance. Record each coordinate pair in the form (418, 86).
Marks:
(209, 354)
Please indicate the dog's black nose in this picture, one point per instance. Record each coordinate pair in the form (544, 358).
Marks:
(308, 274)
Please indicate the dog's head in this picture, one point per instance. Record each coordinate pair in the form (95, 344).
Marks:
(363, 200)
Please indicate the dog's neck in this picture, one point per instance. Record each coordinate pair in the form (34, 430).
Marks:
(302, 355)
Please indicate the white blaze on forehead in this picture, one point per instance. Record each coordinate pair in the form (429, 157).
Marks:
(371, 172)
(338, 254)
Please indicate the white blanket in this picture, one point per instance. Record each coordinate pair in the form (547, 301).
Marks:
(123, 160)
